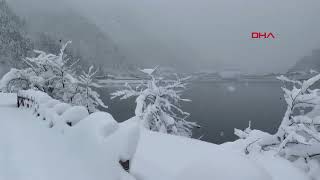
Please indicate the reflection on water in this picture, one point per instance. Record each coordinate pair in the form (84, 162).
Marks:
(221, 107)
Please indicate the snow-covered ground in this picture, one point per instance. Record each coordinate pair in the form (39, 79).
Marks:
(31, 150)
(161, 156)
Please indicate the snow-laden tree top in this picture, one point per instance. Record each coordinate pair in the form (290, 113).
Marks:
(158, 104)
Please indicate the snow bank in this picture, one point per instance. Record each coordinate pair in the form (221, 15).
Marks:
(161, 156)
(39, 97)
(50, 117)
(277, 167)
(102, 137)
(98, 125)
(74, 114)
(54, 111)
(128, 130)
(61, 108)
(91, 149)
(28, 150)
(222, 167)
(46, 108)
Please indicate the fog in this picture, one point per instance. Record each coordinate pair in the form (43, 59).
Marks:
(207, 34)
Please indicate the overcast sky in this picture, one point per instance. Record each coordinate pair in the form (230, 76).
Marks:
(209, 34)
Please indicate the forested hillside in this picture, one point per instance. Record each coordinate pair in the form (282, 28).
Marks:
(23, 29)
(14, 41)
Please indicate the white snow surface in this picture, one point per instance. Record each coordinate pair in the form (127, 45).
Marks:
(75, 114)
(61, 108)
(277, 167)
(97, 126)
(162, 156)
(31, 151)
(92, 148)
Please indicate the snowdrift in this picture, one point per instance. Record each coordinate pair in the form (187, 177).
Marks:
(161, 156)
(90, 148)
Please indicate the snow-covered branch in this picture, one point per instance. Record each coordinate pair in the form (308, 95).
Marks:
(158, 104)
(299, 133)
(55, 75)
(86, 95)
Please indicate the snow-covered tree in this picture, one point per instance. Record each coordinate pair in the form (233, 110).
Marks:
(57, 73)
(53, 74)
(298, 136)
(17, 79)
(158, 104)
(87, 96)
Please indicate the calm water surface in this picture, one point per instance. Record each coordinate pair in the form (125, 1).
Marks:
(220, 107)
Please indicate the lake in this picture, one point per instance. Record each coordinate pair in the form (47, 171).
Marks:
(219, 107)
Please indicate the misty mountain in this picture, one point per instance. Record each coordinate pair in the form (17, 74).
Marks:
(54, 23)
(14, 41)
(307, 63)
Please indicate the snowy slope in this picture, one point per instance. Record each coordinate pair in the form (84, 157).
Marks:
(161, 156)
(278, 167)
(29, 150)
